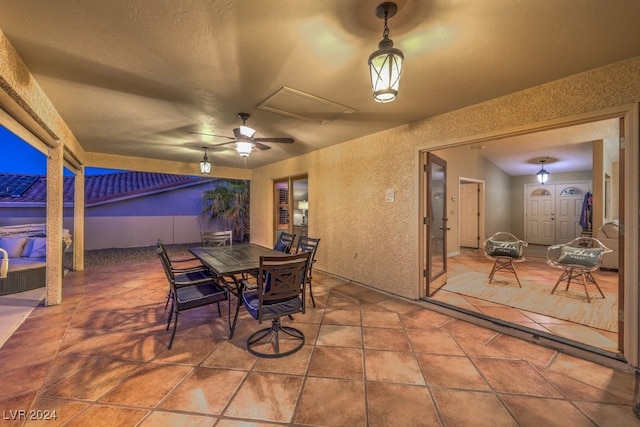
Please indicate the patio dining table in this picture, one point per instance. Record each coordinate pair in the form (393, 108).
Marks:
(230, 264)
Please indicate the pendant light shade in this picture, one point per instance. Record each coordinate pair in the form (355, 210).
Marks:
(385, 64)
(542, 175)
(244, 148)
(205, 164)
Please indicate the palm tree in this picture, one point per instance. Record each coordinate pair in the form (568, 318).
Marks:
(228, 206)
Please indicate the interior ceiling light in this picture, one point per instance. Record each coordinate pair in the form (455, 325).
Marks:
(385, 64)
(543, 175)
(205, 164)
(244, 148)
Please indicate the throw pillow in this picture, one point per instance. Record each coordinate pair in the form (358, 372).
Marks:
(13, 245)
(506, 249)
(585, 257)
(39, 248)
(26, 250)
(281, 246)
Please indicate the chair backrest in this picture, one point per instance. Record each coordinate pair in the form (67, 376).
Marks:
(162, 254)
(582, 252)
(217, 238)
(284, 243)
(308, 244)
(506, 245)
(282, 278)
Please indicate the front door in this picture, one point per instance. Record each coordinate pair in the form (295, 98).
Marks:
(435, 223)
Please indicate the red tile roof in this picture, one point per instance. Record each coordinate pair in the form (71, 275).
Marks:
(98, 188)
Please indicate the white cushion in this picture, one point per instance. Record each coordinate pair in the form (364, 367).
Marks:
(13, 245)
(39, 248)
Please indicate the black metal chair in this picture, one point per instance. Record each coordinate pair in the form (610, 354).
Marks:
(280, 292)
(190, 288)
(285, 242)
(504, 249)
(194, 265)
(216, 238)
(309, 244)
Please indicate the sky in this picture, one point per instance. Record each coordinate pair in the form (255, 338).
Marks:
(17, 156)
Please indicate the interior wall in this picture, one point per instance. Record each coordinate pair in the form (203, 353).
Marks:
(368, 240)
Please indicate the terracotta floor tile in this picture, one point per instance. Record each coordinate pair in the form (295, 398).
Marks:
(172, 419)
(424, 319)
(472, 408)
(147, 386)
(341, 336)
(433, 342)
(295, 364)
(107, 416)
(341, 317)
(266, 397)
(535, 411)
(16, 403)
(64, 410)
(189, 350)
(94, 380)
(517, 348)
(377, 319)
(451, 371)
(229, 355)
(575, 389)
(392, 366)
(323, 402)
(400, 405)
(19, 381)
(205, 391)
(337, 362)
(385, 339)
(609, 415)
(515, 376)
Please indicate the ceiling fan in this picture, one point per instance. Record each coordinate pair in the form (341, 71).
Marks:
(244, 140)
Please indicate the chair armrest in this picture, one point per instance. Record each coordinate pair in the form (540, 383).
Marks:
(248, 285)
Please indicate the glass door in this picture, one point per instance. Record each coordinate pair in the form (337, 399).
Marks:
(291, 203)
(435, 222)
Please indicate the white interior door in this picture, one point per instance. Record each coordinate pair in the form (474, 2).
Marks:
(569, 203)
(540, 214)
(469, 215)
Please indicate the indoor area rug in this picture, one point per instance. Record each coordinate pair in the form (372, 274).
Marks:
(536, 297)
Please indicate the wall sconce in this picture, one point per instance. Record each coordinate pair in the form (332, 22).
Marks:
(205, 164)
(385, 64)
(542, 175)
(303, 205)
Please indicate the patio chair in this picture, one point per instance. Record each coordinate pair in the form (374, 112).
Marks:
(504, 249)
(309, 244)
(280, 292)
(285, 242)
(216, 238)
(577, 259)
(190, 288)
(184, 268)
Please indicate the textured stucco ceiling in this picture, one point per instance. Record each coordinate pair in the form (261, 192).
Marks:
(134, 77)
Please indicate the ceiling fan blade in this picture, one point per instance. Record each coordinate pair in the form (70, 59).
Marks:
(279, 140)
(216, 136)
(260, 146)
(223, 143)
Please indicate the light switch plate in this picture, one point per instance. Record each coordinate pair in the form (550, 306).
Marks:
(391, 195)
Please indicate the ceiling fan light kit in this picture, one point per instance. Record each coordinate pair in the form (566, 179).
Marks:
(244, 140)
(385, 64)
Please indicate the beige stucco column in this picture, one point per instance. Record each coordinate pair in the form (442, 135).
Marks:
(78, 221)
(55, 210)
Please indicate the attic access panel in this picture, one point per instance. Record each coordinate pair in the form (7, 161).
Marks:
(303, 106)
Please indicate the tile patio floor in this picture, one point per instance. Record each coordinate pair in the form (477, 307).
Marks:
(101, 359)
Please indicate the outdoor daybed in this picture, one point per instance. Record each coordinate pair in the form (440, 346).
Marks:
(23, 257)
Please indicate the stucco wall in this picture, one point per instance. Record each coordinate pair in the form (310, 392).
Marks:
(376, 243)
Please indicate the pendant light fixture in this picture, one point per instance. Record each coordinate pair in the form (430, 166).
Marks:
(543, 175)
(385, 64)
(244, 148)
(205, 164)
